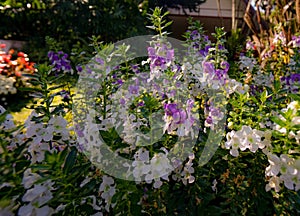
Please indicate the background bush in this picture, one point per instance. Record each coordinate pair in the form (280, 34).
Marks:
(70, 22)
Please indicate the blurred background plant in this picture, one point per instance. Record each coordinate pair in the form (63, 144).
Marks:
(70, 22)
(14, 68)
(73, 22)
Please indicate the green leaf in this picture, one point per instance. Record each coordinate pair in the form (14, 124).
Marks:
(30, 89)
(70, 161)
(56, 87)
(278, 121)
(294, 96)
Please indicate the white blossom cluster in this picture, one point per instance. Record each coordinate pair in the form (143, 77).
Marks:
(154, 170)
(234, 86)
(41, 134)
(247, 138)
(247, 63)
(283, 169)
(107, 190)
(262, 79)
(294, 108)
(184, 172)
(17, 137)
(7, 85)
(36, 196)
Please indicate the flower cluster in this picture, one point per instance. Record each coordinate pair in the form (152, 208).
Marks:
(291, 83)
(288, 121)
(12, 68)
(178, 118)
(185, 172)
(154, 125)
(161, 56)
(283, 169)
(198, 42)
(7, 85)
(14, 65)
(60, 62)
(247, 138)
(37, 197)
(107, 190)
(42, 135)
(213, 116)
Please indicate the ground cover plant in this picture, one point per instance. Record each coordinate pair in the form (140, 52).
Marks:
(224, 138)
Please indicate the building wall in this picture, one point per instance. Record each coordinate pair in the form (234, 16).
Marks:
(210, 9)
(209, 16)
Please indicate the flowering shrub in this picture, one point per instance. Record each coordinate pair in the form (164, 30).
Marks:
(12, 69)
(166, 135)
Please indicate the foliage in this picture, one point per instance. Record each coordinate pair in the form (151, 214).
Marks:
(229, 144)
(192, 5)
(14, 68)
(70, 22)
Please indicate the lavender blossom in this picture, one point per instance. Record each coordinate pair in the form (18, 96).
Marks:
(59, 61)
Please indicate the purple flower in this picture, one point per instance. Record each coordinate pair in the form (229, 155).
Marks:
(221, 47)
(135, 68)
(59, 61)
(209, 120)
(170, 108)
(291, 82)
(160, 57)
(133, 89)
(100, 61)
(78, 130)
(65, 94)
(204, 51)
(116, 67)
(122, 101)
(159, 61)
(250, 45)
(79, 68)
(172, 93)
(170, 55)
(151, 52)
(118, 82)
(214, 111)
(296, 41)
(225, 65)
(141, 103)
(179, 116)
(208, 67)
(295, 78)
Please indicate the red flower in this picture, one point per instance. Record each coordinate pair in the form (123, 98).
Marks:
(21, 54)
(18, 73)
(2, 46)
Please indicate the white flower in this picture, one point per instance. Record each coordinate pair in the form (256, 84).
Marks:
(157, 183)
(37, 151)
(214, 185)
(39, 133)
(59, 124)
(26, 210)
(6, 211)
(233, 142)
(274, 167)
(30, 210)
(296, 121)
(39, 194)
(274, 182)
(247, 63)
(107, 189)
(29, 178)
(288, 182)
